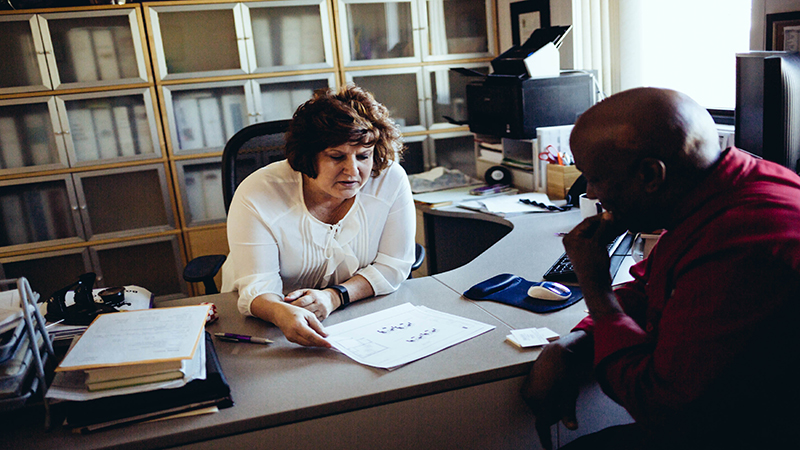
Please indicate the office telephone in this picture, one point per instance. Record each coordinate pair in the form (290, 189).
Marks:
(79, 303)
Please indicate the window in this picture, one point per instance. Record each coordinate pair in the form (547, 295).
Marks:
(686, 45)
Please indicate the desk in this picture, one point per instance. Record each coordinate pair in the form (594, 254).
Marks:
(289, 397)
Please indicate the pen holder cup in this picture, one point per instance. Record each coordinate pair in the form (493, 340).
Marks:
(560, 179)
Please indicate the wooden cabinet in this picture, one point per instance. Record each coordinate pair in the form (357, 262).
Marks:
(405, 51)
(113, 118)
(83, 173)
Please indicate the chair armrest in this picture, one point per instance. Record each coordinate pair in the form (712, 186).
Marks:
(204, 269)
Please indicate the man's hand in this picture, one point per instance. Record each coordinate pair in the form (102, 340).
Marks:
(587, 248)
(551, 389)
(587, 243)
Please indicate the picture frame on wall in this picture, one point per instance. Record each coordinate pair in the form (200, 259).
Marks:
(527, 16)
(783, 31)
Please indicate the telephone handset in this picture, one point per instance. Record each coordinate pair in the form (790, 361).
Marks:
(79, 303)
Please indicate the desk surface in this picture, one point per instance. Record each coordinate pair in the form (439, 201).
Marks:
(284, 383)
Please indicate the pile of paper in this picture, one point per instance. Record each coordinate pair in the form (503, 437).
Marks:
(134, 351)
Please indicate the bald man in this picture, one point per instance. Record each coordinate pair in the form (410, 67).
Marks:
(700, 348)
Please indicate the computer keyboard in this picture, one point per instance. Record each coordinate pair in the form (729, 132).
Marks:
(562, 270)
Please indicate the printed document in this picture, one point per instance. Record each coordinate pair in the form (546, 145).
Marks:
(390, 338)
(141, 336)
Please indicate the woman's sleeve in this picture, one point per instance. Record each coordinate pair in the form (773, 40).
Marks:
(396, 248)
(253, 258)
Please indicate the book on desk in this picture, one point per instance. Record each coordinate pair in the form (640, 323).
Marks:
(106, 412)
(110, 375)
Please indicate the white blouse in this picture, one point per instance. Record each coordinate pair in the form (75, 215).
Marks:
(277, 246)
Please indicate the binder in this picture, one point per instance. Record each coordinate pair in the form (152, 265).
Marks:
(104, 131)
(13, 214)
(81, 127)
(233, 113)
(189, 127)
(105, 54)
(277, 104)
(291, 39)
(10, 145)
(195, 196)
(123, 409)
(311, 30)
(263, 41)
(212, 190)
(38, 132)
(82, 54)
(126, 53)
(211, 118)
(122, 121)
(144, 140)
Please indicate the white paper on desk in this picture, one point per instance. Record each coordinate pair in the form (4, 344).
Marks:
(71, 385)
(390, 338)
(508, 204)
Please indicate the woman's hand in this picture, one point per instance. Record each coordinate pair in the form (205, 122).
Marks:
(320, 303)
(299, 325)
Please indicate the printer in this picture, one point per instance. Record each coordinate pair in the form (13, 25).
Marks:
(509, 103)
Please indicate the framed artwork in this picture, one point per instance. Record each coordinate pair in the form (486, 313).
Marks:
(527, 16)
(783, 31)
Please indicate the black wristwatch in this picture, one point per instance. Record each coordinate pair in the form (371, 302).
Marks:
(343, 294)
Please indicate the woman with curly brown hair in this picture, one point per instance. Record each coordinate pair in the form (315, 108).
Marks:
(331, 224)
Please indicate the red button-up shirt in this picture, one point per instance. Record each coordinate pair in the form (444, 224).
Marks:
(707, 350)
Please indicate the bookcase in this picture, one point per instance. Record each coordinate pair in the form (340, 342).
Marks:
(113, 118)
(85, 184)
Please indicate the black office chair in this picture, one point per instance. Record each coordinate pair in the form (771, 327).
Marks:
(251, 148)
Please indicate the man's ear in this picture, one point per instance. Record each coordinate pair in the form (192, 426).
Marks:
(652, 174)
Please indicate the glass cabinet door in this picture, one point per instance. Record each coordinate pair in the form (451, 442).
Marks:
(455, 151)
(283, 36)
(458, 29)
(198, 40)
(278, 98)
(30, 135)
(399, 89)
(24, 67)
(97, 48)
(201, 190)
(379, 31)
(446, 94)
(125, 201)
(150, 263)
(110, 126)
(202, 117)
(47, 272)
(414, 160)
(39, 210)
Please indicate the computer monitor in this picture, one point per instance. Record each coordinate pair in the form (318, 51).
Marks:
(767, 115)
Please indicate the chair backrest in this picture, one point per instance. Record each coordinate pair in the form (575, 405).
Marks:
(251, 148)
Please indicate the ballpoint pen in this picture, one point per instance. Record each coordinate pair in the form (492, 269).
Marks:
(232, 337)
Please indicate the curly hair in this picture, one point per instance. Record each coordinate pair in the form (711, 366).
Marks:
(348, 115)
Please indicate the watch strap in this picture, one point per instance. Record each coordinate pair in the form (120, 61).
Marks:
(345, 296)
